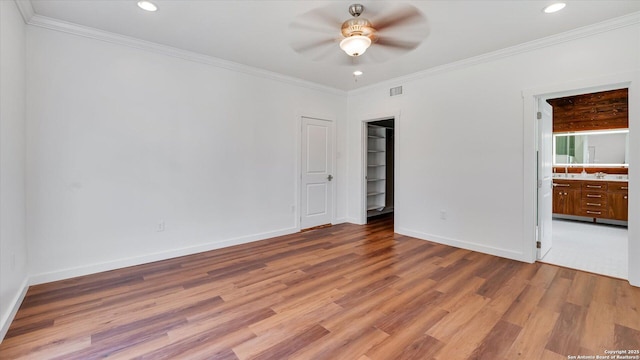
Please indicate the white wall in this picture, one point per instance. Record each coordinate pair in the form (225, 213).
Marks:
(13, 244)
(464, 143)
(120, 139)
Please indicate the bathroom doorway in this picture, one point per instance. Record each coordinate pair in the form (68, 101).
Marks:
(590, 150)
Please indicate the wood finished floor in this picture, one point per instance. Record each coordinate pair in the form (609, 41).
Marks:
(343, 292)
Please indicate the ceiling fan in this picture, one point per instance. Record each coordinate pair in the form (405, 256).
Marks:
(396, 29)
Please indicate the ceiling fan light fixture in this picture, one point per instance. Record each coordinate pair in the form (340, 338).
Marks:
(147, 5)
(355, 45)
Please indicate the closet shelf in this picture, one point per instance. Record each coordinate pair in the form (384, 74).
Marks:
(376, 170)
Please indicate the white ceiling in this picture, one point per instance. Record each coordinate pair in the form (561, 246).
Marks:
(259, 33)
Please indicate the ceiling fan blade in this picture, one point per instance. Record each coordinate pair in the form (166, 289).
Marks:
(397, 44)
(303, 47)
(349, 60)
(324, 15)
(305, 26)
(332, 55)
(403, 15)
(328, 54)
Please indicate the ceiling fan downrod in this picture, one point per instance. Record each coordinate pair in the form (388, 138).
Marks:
(356, 9)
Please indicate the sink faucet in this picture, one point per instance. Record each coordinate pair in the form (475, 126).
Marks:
(600, 175)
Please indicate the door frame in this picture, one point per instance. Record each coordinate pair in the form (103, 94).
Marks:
(296, 207)
(363, 162)
(630, 80)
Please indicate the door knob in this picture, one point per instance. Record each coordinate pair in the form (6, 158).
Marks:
(329, 177)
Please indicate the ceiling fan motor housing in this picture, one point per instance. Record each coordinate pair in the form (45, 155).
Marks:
(357, 26)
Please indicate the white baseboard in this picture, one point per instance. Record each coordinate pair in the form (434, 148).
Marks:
(163, 255)
(356, 221)
(7, 318)
(341, 220)
(505, 253)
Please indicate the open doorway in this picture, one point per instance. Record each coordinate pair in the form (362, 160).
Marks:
(590, 166)
(379, 162)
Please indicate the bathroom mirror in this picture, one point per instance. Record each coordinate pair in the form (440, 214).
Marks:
(591, 148)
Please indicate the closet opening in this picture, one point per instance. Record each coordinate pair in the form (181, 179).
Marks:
(379, 172)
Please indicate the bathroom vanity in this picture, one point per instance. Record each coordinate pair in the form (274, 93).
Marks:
(591, 198)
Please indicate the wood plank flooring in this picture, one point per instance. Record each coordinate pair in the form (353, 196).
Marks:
(342, 292)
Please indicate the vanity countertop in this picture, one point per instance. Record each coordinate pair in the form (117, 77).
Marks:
(590, 177)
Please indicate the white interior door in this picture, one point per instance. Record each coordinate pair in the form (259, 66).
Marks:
(316, 198)
(545, 177)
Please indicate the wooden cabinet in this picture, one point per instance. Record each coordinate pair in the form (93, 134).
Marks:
(566, 197)
(591, 198)
(618, 200)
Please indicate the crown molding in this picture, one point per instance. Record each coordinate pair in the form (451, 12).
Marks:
(586, 31)
(26, 10)
(29, 16)
(96, 34)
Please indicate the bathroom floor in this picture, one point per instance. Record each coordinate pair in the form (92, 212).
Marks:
(597, 248)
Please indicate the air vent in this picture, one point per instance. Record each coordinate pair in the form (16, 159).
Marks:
(395, 91)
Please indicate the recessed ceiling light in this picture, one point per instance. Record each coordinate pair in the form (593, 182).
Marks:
(147, 5)
(357, 73)
(554, 7)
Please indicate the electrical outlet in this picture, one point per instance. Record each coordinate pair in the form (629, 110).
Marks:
(443, 215)
(160, 226)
